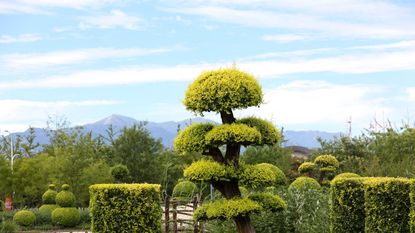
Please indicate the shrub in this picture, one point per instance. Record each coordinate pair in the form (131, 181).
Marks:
(348, 205)
(233, 133)
(205, 170)
(304, 183)
(326, 161)
(49, 196)
(346, 175)
(24, 218)
(8, 227)
(42, 218)
(125, 208)
(66, 217)
(65, 198)
(85, 216)
(260, 175)
(184, 190)
(306, 167)
(226, 209)
(269, 202)
(120, 172)
(387, 205)
(48, 209)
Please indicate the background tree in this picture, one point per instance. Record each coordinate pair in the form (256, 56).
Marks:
(223, 91)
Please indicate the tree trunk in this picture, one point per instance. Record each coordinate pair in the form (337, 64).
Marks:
(243, 224)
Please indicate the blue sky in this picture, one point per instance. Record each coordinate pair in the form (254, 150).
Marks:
(320, 62)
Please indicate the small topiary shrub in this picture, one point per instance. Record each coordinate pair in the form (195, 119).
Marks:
(125, 208)
(306, 167)
(226, 209)
(120, 173)
(304, 183)
(184, 190)
(326, 161)
(48, 209)
(24, 218)
(66, 217)
(65, 198)
(346, 175)
(50, 195)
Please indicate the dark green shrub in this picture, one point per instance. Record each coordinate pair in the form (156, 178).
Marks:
(120, 172)
(348, 205)
(47, 209)
(8, 227)
(24, 218)
(66, 217)
(49, 196)
(387, 205)
(65, 198)
(85, 216)
(42, 218)
(125, 208)
(304, 183)
(184, 190)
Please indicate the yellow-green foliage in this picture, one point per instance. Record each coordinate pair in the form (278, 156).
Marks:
(269, 201)
(223, 90)
(66, 217)
(346, 175)
(326, 161)
(205, 170)
(348, 205)
(65, 198)
(49, 196)
(306, 167)
(303, 184)
(233, 133)
(412, 211)
(184, 190)
(269, 134)
(226, 209)
(257, 176)
(387, 204)
(192, 138)
(280, 178)
(24, 218)
(48, 209)
(125, 208)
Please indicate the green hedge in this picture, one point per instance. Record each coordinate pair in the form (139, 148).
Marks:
(347, 210)
(24, 218)
(66, 217)
(125, 208)
(387, 205)
(372, 205)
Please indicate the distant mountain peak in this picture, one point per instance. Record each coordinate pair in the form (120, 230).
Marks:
(116, 119)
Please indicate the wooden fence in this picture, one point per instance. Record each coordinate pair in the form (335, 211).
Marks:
(178, 216)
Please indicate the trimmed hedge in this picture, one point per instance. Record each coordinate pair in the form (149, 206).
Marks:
(348, 205)
(66, 217)
(125, 208)
(24, 218)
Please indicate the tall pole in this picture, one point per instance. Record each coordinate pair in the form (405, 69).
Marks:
(11, 152)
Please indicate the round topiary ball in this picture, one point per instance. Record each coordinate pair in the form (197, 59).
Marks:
(65, 198)
(50, 195)
(66, 217)
(48, 209)
(24, 218)
(326, 161)
(304, 183)
(184, 190)
(306, 167)
(280, 178)
(120, 172)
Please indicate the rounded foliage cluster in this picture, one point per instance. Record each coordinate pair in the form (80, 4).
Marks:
(65, 198)
(66, 217)
(184, 190)
(346, 175)
(192, 138)
(233, 133)
(49, 196)
(269, 134)
(120, 172)
(303, 184)
(306, 167)
(24, 218)
(226, 209)
(280, 178)
(261, 175)
(326, 161)
(48, 208)
(205, 170)
(269, 201)
(223, 90)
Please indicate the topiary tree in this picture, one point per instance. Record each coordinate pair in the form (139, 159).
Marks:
(49, 203)
(67, 215)
(223, 91)
(24, 218)
(120, 173)
(327, 166)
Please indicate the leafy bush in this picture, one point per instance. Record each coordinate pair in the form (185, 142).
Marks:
(49, 196)
(24, 218)
(8, 227)
(120, 172)
(306, 167)
(48, 209)
(346, 175)
(348, 205)
(269, 202)
(260, 175)
(42, 218)
(387, 205)
(192, 138)
(269, 134)
(205, 170)
(125, 208)
(304, 183)
(226, 209)
(65, 198)
(85, 216)
(326, 161)
(184, 190)
(66, 217)
(233, 133)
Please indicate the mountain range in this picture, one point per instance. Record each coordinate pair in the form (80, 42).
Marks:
(167, 131)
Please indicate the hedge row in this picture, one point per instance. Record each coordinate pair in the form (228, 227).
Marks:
(373, 205)
(125, 208)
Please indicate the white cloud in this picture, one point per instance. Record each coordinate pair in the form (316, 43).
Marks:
(6, 39)
(115, 19)
(42, 60)
(313, 102)
(284, 38)
(15, 110)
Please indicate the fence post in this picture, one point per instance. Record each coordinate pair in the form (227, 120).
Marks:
(166, 214)
(175, 216)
